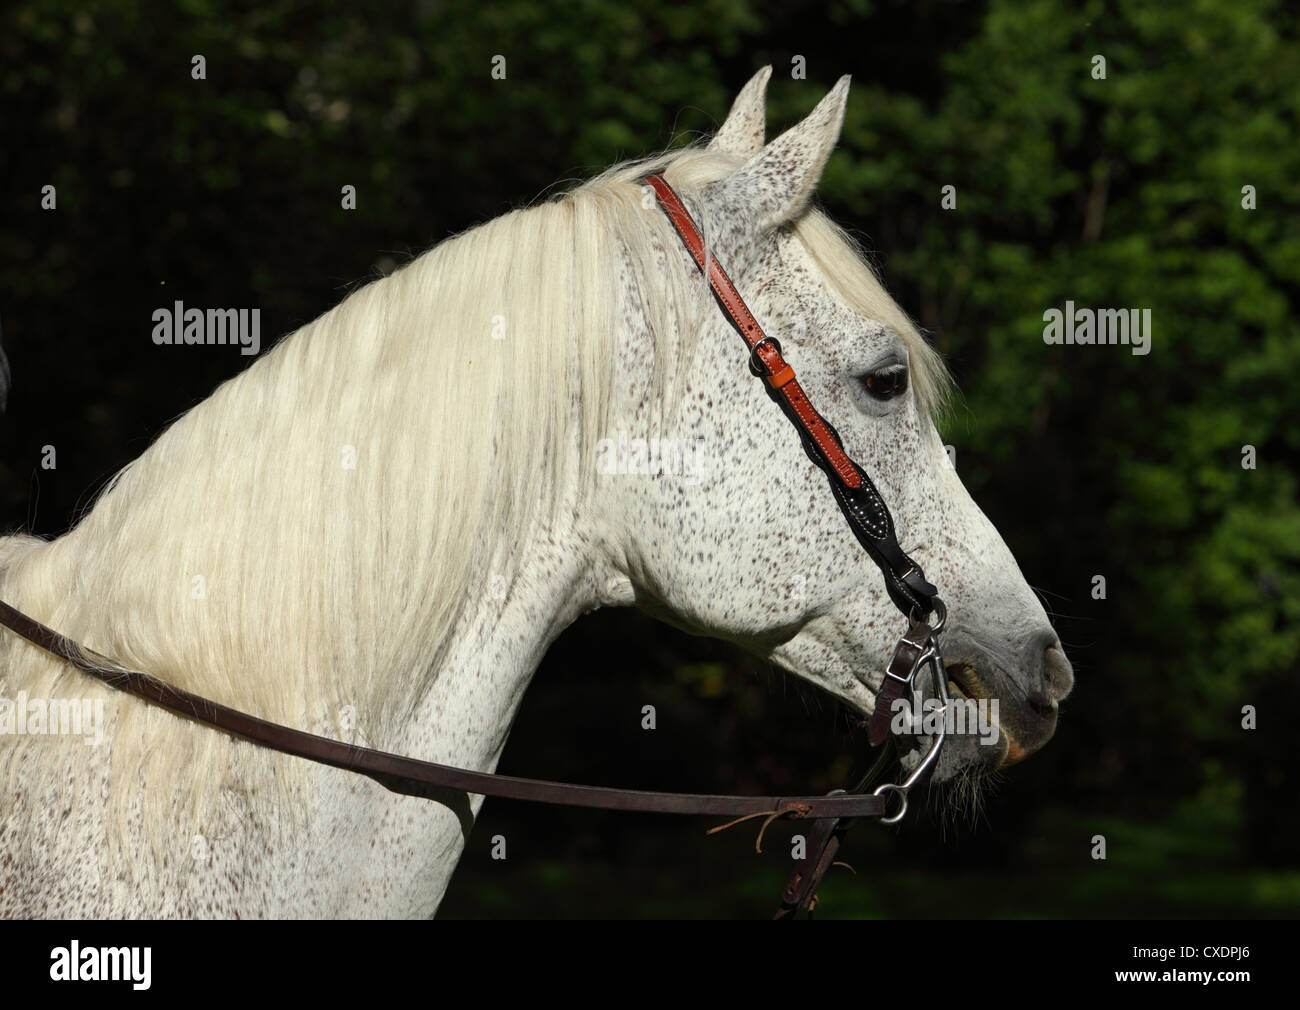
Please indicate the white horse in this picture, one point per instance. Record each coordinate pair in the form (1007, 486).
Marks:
(377, 530)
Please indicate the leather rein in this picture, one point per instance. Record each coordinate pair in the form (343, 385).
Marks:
(867, 515)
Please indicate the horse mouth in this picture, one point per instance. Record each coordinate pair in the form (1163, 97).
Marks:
(965, 683)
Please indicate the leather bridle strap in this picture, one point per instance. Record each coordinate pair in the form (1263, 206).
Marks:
(856, 495)
(412, 777)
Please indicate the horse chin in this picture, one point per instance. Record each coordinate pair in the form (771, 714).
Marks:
(964, 756)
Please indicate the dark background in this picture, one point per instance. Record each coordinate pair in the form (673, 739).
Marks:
(1090, 460)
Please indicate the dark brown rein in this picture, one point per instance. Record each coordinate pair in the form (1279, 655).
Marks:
(867, 515)
(410, 776)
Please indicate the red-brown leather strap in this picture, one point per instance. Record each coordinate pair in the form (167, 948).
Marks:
(856, 495)
(780, 376)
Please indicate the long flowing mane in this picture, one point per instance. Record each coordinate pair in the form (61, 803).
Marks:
(303, 542)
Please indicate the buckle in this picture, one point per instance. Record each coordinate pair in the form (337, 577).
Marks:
(755, 362)
(917, 646)
(906, 654)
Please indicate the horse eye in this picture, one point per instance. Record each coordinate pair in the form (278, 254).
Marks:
(886, 383)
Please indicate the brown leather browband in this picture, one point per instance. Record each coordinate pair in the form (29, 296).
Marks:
(451, 786)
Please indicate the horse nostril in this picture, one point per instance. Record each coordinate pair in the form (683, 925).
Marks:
(1058, 674)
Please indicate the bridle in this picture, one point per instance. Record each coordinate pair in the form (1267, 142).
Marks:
(868, 517)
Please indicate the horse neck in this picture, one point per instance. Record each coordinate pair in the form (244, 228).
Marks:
(465, 715)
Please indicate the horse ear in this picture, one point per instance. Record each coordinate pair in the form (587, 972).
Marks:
(778, 181)
(746, 124)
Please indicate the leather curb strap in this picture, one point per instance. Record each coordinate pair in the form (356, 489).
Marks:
(898, 678)
(856, 495)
